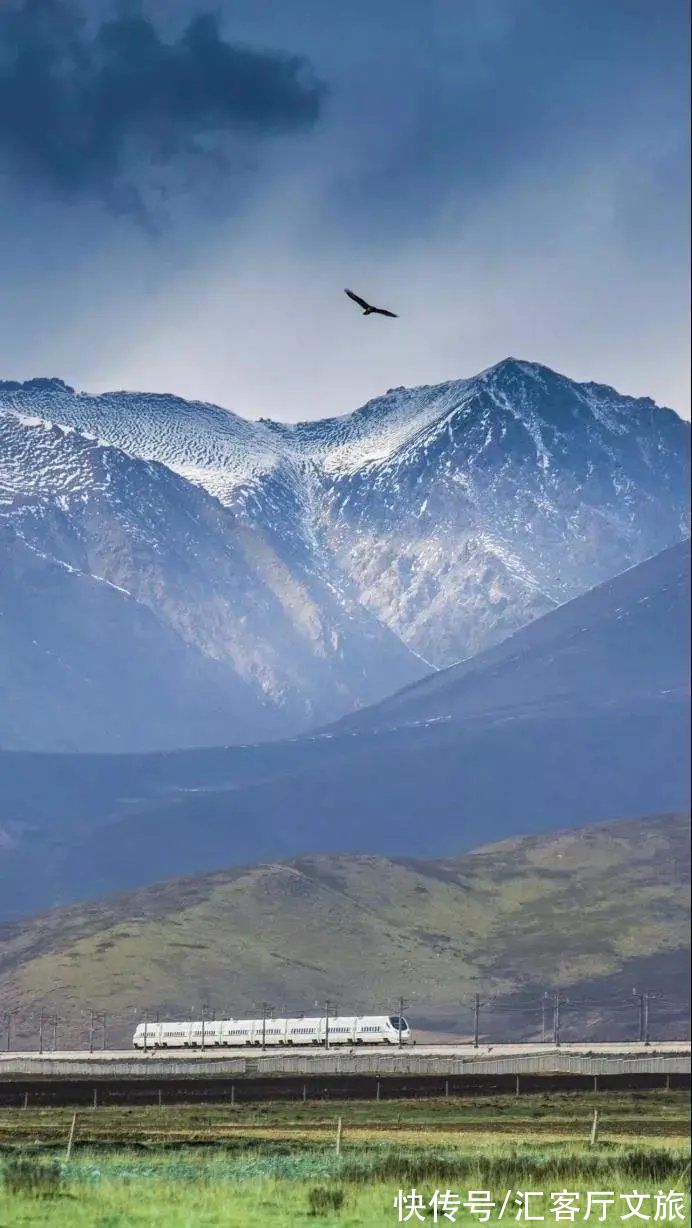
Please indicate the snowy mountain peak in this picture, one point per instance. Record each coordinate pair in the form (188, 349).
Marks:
(454, 513)
(226, 453)
(511, 366)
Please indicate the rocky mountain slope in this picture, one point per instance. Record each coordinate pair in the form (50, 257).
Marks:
(591, 912)
(466, 510)
(138, 611)
(454, 513)
(584, 713)
(624, 640)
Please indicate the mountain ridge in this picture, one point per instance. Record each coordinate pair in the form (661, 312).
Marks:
(590, 718)
(327, 564)
(596, 907)
(517, 445)
(662, 583)
(275, 631)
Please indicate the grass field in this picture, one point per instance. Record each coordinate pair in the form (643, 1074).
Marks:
(276, 1164)
(505, 918)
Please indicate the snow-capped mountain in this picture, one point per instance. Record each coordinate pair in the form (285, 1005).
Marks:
(466, 510)
(454, 513)
(137, 611)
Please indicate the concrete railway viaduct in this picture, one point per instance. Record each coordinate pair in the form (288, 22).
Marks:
(228, 1076)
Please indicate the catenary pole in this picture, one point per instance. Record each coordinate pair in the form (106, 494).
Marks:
(556, 1019)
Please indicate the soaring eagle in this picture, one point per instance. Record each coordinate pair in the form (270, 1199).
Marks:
(368, 310)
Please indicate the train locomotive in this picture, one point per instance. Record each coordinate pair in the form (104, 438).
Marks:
(232, 1033)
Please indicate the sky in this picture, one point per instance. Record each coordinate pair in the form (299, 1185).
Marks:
(187, 189)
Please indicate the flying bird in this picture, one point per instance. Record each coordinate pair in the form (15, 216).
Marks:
(368, 309)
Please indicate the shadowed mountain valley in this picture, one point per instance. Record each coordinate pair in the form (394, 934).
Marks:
(582, 714)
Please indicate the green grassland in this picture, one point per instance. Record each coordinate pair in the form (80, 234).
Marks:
(261, 1164)
(561, 909)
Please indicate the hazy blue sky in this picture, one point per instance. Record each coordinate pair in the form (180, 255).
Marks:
(183, 201)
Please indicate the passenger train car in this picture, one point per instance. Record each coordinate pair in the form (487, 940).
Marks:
(212, 1033)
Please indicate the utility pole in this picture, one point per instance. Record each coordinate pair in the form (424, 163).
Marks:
(476, 1019)
(103, 1034)
(91, 1033)
(204, 1014)
(556, 1019)
(10, 1016)
(265, 1008)
(401, 1015)
(55, 1032)
(643, 1014)
(544, 1006)
(146, 1022)
(40, 1032)
(327, 1006)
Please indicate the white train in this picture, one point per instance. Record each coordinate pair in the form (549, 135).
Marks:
(212, 1033)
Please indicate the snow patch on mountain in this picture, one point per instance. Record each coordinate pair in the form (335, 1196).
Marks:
(267, 644)
(453, 513)
(206, 444)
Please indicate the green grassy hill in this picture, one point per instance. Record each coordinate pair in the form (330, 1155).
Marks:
(593, 911)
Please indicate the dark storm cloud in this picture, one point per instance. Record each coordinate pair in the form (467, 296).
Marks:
(509, 174)
(92, 110)
(457, 103)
